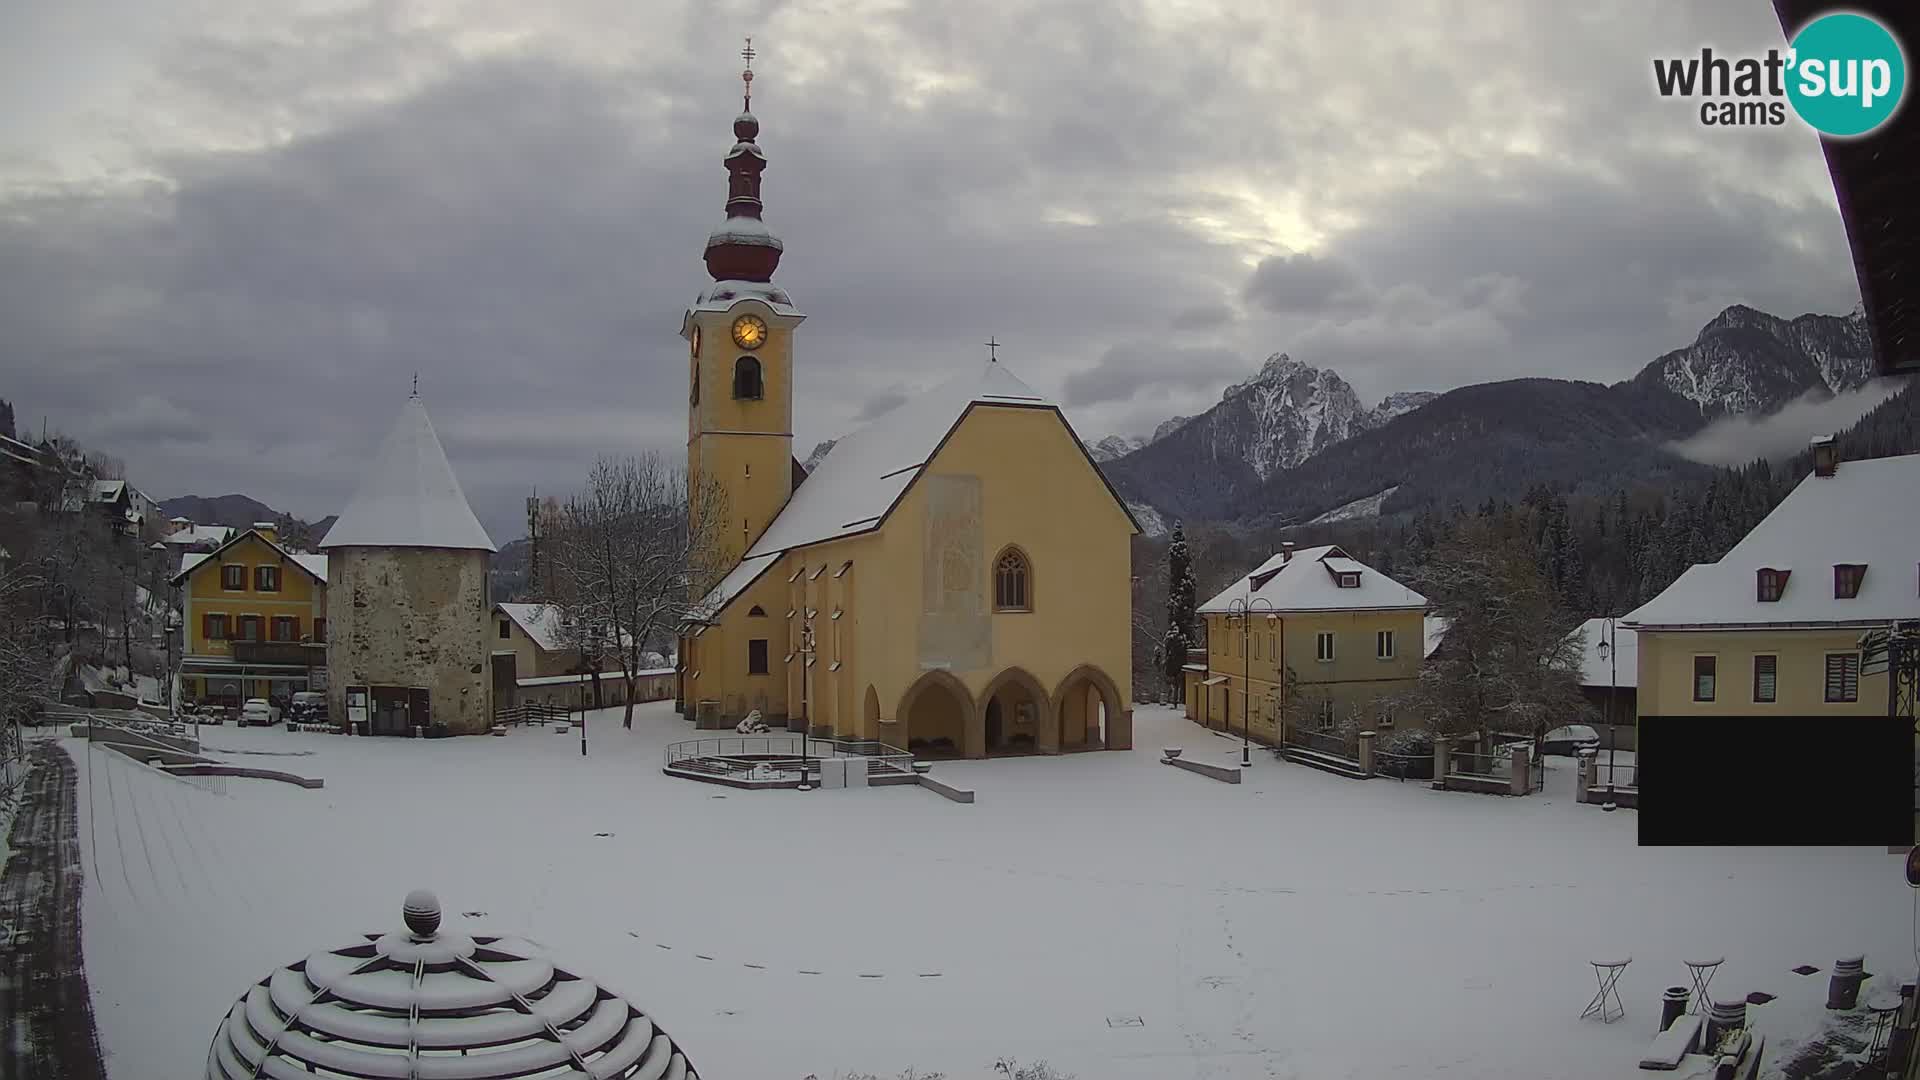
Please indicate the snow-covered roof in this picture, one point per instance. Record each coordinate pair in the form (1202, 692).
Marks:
(1865, 513)
(428, 1001)
(308, 561)
(743, 574)
(410, 497)
(1303, 583)
(108, 490)
(745, 230)
(1436, 632)
(195, 535)
(540, 622)
(722, 295)
(1620, 670)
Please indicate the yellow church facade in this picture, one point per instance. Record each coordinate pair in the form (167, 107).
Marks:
(952, 579)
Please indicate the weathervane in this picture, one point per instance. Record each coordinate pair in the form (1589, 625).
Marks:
(746, 76)
(993, 350)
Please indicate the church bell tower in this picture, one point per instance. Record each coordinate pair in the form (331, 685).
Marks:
(739, 336)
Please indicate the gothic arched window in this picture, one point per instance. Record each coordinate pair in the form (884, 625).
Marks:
(746, 379)
(1012, 581)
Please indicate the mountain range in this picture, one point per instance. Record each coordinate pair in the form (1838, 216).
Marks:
(1295, 445)
(241, 511)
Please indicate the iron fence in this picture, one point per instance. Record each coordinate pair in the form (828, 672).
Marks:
(1331, 743)
(786, 753)
(1403, 766)
(1621, 775)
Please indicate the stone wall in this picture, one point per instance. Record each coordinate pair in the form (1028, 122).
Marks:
(414, 617)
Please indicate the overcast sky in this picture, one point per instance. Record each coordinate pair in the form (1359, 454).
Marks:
(230, 232)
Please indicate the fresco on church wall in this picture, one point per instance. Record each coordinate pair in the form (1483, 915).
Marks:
(955, 628)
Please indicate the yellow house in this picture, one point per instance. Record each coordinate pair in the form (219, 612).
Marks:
(952, 579)
(1350, 638)
(253, 620)
(1773, 628)
(532, 663)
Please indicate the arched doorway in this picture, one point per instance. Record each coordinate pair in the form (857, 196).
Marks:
(1088, 707)
(1016, 717)
(935, 715)
(870, 715)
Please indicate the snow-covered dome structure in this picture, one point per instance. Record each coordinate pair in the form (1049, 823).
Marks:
(431, 1003)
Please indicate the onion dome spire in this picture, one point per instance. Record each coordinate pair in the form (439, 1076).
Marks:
(743, 249)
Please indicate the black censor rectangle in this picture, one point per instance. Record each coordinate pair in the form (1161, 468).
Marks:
(1775, 780)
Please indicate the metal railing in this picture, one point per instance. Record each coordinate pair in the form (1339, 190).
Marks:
(784, 752)
(1331, 743)
(1623, 774)
(1403, 766)
(533, 712)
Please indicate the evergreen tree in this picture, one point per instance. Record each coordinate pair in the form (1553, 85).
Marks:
(1181, 599)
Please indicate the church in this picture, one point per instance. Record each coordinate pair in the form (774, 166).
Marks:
(952, 579)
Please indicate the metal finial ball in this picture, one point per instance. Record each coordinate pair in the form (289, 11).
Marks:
(422, 912)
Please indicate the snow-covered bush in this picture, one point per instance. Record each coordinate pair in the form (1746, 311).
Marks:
(751, 724)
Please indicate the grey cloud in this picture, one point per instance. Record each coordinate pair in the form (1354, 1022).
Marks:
(1124, 370)
(881, 403)
(522, 224)
(1301, 283)
(1203, 317)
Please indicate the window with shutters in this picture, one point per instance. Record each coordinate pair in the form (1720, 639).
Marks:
(1766, 678)
(1323, 646)
(1843, 677)
(266, 578)
(214, 628)
(1846, 580)
(233, 577)
(320, 628)
(249, 628)
(1704, 677)
(1383, 644)
(284, 628)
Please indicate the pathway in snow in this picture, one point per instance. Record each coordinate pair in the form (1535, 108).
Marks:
(43, 989)
(1124, 920)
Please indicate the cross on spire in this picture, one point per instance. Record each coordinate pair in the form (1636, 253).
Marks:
(746, 76)
(416, 384)
(993, 350)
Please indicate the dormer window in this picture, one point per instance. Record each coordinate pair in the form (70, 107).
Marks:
(1347, 581)
(1847, 578)
(1259, 581)
(1770, 584)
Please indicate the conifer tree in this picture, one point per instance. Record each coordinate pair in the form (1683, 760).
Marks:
(1181, 600)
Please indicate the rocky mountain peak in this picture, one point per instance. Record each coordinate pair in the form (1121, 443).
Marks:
(1747, 361)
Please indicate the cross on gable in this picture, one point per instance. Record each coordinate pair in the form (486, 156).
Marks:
(993, 350)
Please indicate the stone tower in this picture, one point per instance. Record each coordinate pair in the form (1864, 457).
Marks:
(407, 597)
(739, 335)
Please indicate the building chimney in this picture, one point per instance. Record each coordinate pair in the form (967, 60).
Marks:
(267, 529)
(1826, 456)
(1286, 552)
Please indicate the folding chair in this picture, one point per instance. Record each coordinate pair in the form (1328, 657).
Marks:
(1702, 973)
(1606, 1004)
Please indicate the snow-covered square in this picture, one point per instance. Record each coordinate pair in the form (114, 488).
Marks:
(1113, 916)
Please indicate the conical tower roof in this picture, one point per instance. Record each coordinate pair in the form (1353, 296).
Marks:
(409, 497)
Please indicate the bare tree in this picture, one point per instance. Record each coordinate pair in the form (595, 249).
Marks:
(623, 556)
(1507, 665)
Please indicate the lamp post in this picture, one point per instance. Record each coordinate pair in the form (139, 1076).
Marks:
(1610, 652)
(583, 710)
(1241, 611)
(806, 699)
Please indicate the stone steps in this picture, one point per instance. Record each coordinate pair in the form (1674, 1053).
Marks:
(1314, 759)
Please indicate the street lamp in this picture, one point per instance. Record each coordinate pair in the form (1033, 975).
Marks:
(1610, 652)
(1241, 612)
(806, 700)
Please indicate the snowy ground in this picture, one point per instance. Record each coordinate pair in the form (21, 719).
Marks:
(1117, 917)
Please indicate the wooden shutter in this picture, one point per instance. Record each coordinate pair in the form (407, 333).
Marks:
(1843, 677)
(1766, 678)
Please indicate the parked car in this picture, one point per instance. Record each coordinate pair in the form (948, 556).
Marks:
(1570, 740)
(307, 707)
(258, 712)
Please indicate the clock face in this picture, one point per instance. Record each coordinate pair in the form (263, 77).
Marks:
(694, 342)
(749, 332)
